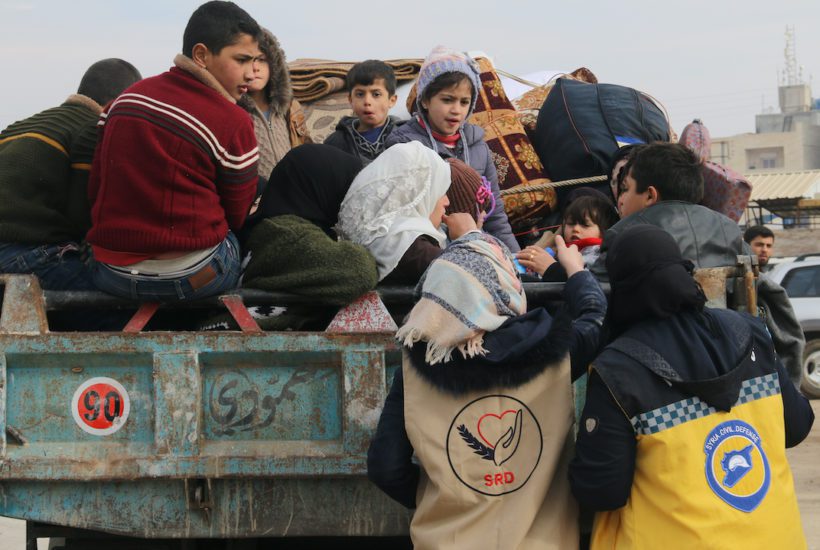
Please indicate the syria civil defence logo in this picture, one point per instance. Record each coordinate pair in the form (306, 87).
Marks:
(737, 469)
(494, 444)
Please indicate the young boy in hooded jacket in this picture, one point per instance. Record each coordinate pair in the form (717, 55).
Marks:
(371, 91)
(278, 119)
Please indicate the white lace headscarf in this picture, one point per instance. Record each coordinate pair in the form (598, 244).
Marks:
(388, 205)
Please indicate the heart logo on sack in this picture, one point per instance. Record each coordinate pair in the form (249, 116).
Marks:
(491, 452)
(492, 426)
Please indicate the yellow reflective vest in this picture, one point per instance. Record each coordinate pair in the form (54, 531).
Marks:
(704, 478)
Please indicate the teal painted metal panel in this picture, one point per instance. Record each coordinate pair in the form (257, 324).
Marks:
(305, 411)
(178, 399)
(3, 404)
(238, 507)
(184, 434)
(272, 396)
(42, 385)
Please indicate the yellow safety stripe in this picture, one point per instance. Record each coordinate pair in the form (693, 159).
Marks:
(41, 137)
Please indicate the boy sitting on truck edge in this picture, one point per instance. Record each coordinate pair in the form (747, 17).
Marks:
(164, 213)
(662, 185)
(44, 164)
(371, 91)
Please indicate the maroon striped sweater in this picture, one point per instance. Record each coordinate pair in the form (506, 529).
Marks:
(175, 167)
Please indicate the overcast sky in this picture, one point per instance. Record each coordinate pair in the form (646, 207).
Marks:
(717, 60)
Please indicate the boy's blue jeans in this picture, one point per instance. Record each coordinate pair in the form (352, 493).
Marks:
(58, 266)
(220, 274)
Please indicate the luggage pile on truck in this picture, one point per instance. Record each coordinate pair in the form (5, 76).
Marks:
(547, 136)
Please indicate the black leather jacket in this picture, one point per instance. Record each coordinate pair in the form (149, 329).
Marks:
(710, 239)
(705, 237)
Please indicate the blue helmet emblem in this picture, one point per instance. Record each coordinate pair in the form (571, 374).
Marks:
(736, 464)
(737, 469)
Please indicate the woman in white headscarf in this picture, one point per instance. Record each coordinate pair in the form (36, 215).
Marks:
(395, 208)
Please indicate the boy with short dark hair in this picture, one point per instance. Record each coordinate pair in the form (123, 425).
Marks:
(371, 90)
(666, 172)
(175, 169)
(761, 240)
(44, 164)
(662, 184)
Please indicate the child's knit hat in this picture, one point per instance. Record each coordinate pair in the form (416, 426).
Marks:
(468, 191)
(444, 60)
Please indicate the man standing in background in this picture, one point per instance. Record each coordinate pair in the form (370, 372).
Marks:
(761, 239)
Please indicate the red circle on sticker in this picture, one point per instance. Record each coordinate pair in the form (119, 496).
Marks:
(100, 406)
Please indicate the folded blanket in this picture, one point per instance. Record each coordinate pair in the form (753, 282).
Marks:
(290, 254)
(322, 115)
(313, 79)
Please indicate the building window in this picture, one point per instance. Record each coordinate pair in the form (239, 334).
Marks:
(765, 158)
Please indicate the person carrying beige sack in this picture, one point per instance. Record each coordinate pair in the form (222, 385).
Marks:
(484, 401)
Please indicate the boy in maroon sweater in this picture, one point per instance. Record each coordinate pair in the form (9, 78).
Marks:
(174, 172)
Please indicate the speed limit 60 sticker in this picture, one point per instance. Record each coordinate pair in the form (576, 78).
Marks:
(100, 406)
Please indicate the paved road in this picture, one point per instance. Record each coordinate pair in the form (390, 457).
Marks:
(805, 463)
(804, 460)
(13, 535)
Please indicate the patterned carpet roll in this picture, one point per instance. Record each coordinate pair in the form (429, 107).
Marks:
(313, 79)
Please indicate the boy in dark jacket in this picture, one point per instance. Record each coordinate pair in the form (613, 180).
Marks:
(44, 164)
(371, 90)
(175, 170)
(662, 185)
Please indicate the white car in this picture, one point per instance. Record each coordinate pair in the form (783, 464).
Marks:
(801, 279)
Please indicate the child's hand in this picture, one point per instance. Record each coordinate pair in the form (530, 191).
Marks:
(458, 224)
(255, 205)
(569, 256)
(535, 259)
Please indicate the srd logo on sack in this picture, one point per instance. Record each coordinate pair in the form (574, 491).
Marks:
(737, 469)
(494, 444)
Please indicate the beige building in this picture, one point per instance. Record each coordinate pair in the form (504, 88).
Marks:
(796, 150)
(785, 141)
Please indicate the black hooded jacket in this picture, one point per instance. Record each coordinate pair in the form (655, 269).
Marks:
(691, 354)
